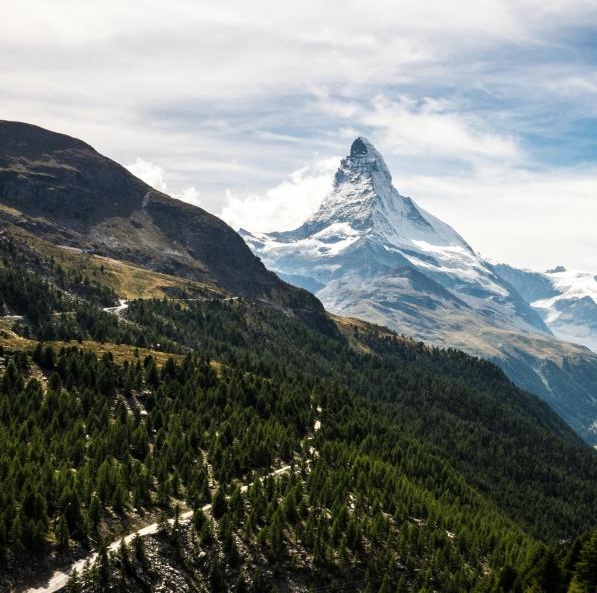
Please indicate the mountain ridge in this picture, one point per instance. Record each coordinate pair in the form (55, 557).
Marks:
(61, 189)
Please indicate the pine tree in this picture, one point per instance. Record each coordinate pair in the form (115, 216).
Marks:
(219, 504)
(73, 585)
(585, 571)
(94, 512)
(62, 534)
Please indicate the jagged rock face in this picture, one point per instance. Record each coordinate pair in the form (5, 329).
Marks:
(360, 186)
(65, 191)
(370, 252)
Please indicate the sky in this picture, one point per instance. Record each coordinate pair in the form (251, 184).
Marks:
(485, 110)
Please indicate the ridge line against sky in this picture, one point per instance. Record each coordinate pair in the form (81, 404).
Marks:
(485, 111)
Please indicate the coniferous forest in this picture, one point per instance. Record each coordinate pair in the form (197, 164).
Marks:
(323, 456)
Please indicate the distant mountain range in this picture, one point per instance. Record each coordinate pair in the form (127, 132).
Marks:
(565, 299)
(372, 253)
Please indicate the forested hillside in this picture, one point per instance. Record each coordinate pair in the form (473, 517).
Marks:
(402, 468)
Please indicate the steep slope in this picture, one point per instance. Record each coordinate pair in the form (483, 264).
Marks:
(372, 253)
(426, 461)
(565, 299)
(63, 191)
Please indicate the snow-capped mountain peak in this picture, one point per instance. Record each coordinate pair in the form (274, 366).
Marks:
(362, 186)
(364, 199)
(372, 253)
(366, 229)
(366, 158)
(565, 299)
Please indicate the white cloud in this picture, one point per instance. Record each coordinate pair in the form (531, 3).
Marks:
(189, 195)
(436, 127)
(119, 49)
(427, 127)
(155, 176)
(152, 174)
(285, 206)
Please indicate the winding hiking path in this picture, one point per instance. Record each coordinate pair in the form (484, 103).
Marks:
(119, 309)
(60, 578)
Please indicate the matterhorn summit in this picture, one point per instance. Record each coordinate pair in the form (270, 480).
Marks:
(364, 200)
(365, 231)
(362, 189)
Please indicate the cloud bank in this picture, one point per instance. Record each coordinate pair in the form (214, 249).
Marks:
(284, 206)
(455, 95)
(155, 176)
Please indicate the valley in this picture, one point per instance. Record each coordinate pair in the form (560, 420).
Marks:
(176, 385)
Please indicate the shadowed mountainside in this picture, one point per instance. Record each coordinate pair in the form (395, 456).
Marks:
(64, 191)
